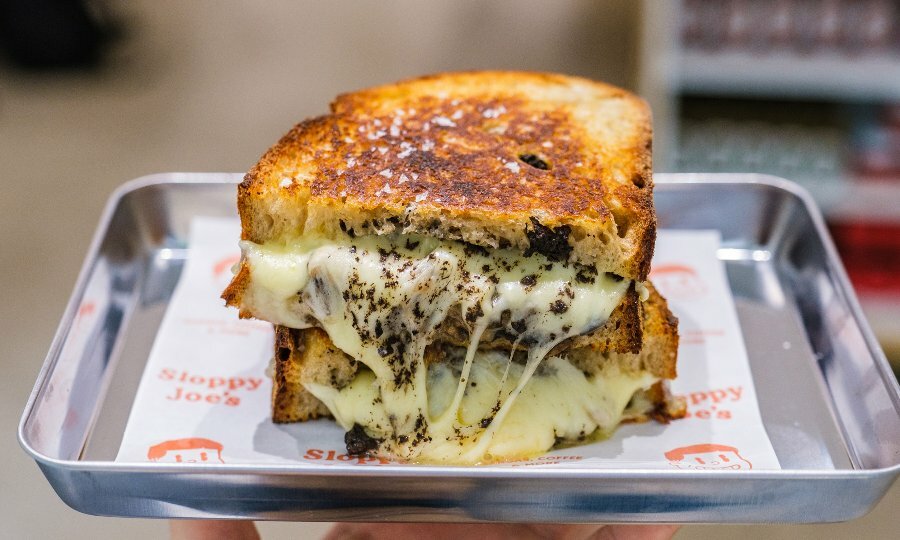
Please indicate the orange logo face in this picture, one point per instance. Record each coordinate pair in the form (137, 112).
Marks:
(190, 450)
(678, 281)
(86, 309)
(222, 269)
(707, 457)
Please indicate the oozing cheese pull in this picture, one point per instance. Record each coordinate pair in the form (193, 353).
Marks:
(381, 299)
(559, 402)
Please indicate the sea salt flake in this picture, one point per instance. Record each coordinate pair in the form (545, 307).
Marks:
(382, 150)
(513, 166)
(395, 131)
(547, 144)
(403, 179)
(493, 112)
(457, 115)
(387, 173)
(286, 182)
(443, 121)
(421, 196)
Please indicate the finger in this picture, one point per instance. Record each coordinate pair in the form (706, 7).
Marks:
(195, 529)
(636, 532)
(563, 532)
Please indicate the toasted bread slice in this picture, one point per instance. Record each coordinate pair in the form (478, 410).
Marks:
(657, 353)
(543, 163)
(309, 356)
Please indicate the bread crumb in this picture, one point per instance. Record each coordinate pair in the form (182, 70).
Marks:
(513, 166)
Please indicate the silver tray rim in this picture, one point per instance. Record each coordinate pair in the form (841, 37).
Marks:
(883, 476)
(437, 471)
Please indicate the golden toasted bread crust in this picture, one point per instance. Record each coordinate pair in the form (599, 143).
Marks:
(309, 356)
(541, 162)
(291, 402)
(661, 336)
(658, 351)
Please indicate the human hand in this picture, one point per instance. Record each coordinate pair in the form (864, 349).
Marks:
(245, 530)
(210, 529)
(498, 531)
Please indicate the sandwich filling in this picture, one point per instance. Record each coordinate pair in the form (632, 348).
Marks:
(560, 403)
(381, 299)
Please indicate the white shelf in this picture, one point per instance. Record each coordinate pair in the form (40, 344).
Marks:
(838, 76)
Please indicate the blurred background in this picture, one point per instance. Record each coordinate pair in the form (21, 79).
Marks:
(94, 93)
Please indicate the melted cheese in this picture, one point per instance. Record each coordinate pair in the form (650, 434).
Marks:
(559, 403)
(381, 299)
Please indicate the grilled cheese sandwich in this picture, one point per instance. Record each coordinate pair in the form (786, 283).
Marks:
(496, 221)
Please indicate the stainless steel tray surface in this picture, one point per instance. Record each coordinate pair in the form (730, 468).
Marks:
(830, 403)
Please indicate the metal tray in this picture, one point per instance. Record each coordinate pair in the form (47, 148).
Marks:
(831, 405)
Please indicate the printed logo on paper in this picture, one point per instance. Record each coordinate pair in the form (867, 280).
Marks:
(707, 456)
(189, 450)
(678, 281)
(221, 270)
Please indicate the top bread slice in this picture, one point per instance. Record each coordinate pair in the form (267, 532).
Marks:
(544, 163)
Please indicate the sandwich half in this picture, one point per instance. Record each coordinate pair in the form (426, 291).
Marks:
(439, 249)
